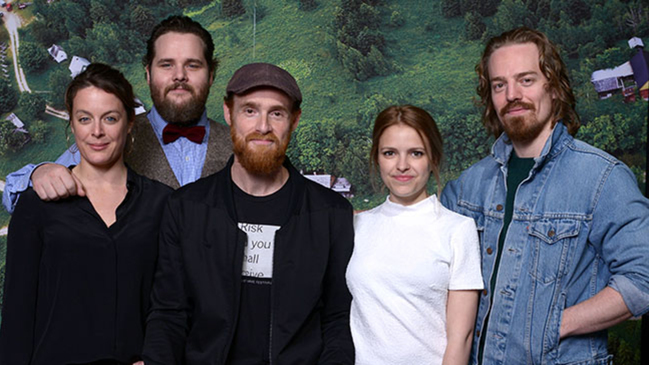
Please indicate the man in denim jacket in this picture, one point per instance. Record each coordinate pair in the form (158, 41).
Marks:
(564, 229)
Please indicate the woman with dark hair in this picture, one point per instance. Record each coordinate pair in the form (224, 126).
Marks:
(79, 271)
(415, 271)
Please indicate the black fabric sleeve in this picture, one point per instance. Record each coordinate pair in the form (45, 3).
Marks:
(24, 247)
(336, 334)
(167, 323)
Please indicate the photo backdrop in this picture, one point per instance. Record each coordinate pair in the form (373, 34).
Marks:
(352, 58)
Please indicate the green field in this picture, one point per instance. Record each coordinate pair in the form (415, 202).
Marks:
(432, 66)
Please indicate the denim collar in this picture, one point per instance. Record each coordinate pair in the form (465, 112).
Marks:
(502, 149)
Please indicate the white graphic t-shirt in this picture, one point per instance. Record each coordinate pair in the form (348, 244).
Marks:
(259, 250)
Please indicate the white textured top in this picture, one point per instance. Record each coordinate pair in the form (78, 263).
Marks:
(405, 260)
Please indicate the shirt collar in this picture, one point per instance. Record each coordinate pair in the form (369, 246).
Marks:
(502, 148)
(159, 124)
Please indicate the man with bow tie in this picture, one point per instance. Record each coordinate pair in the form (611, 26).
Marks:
(174, 143)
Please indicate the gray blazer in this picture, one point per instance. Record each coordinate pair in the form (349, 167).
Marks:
(147, 158)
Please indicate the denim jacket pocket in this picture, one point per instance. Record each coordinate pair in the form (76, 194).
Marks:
(551, 242)
(572, 350)
(551, 340)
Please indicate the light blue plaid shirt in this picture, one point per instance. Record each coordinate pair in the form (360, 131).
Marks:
(185, 157)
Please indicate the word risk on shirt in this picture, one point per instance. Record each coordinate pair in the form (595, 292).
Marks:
(258, 251)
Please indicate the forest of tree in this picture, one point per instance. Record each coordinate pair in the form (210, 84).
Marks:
(108, 31)
(591, 35)
(352, 59)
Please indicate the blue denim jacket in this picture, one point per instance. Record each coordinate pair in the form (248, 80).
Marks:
(579, 224)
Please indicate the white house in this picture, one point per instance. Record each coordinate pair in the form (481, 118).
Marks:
(20, 127)
(343, 187)
(13, 118)
(340, 185)
(635, 42)
(139, 109)
(324, 180)
(57, 53)
(78, 65)
(610, 80)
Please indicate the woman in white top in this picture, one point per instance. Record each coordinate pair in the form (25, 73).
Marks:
(415, 271)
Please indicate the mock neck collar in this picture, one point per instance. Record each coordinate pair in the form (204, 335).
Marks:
(391, 208)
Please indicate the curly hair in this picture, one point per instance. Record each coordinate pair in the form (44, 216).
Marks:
(550, 63)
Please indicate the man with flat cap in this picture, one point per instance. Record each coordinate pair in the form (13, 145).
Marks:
(253, 258)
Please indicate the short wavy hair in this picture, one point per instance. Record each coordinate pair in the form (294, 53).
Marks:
(550, 63)
(184, 25)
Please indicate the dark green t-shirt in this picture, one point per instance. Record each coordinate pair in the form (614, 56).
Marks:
(517, 171)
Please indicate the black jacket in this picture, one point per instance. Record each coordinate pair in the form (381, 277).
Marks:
(196, 294)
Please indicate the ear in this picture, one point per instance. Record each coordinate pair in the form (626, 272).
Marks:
(130, 126)
(211, 78)
(297, 115)
(550, 89)
(148, 74)
(226, 114)
(72, 131)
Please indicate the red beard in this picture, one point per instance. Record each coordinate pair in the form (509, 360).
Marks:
(260, 160)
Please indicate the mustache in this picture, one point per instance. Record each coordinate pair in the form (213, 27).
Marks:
(181, 85)
(516, 104)
(267, 137)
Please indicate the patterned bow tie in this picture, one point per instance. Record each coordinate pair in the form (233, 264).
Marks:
(172, 132)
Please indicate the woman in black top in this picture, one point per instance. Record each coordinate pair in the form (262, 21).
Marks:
(79, 271)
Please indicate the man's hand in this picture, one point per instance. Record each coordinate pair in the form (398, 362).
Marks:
(604, 310)
(53, 182)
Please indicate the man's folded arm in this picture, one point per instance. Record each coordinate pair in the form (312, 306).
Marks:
(18, 181)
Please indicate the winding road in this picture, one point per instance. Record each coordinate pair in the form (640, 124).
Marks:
(61, 114)
(12, 22)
